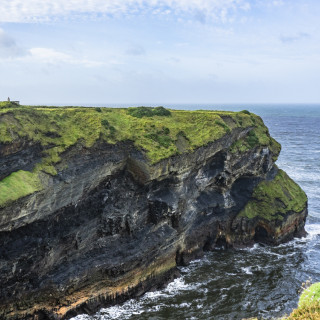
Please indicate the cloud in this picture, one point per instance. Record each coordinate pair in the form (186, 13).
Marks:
(278, 3)
(46, 10)
(200, 16)
(294, 38)
(51, 56)
(136, 50)
(8, 46)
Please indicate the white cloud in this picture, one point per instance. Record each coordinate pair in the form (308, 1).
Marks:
(51, 56)
(278, 3)
(44, 10)
(294, 38)
(9, 50)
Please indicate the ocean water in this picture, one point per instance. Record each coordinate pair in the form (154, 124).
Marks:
(261, 281)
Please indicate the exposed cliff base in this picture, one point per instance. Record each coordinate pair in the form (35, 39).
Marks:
(96, 223)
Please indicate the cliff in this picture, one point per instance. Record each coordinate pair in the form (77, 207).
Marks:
(99, 205)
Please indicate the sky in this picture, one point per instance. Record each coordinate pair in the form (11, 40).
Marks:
(160, 51)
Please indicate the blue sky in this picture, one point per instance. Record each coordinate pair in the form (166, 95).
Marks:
(160, 51)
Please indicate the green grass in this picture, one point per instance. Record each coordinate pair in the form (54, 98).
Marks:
(155, 131)
(140, 112)
(258, 136)
(18, 184)
(271, 200)
(309, 305)
(8, 104)
(310, 296)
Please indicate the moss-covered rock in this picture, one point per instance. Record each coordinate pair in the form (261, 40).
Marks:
(258, 136)
(272, 200)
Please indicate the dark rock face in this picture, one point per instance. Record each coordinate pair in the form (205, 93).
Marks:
(109, 227)
(21, 155)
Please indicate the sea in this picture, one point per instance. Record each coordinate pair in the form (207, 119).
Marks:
(262, 281)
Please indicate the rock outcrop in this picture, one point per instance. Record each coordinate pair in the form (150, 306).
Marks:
(110, 224)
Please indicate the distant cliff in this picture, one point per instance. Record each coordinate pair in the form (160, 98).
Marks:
(98, 205)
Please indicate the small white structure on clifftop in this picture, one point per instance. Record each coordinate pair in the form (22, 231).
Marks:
(9, 100)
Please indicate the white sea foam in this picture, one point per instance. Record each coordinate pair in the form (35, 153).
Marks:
(154, 295)
(122, 311)
(184, 269)
(230, 274)
(82, 317)
(246, 270)
(255, 247)
(156, 308)
(185, 305)
(313, 230)
(179, 285)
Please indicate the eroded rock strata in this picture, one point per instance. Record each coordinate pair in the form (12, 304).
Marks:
(110, 225)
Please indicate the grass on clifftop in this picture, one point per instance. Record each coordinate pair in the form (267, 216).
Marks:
(273, 199)
(259, 136)
(160, 132)
(155, 130)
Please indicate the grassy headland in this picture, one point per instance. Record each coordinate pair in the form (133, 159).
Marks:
(156, 131)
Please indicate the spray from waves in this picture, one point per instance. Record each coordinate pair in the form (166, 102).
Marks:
(313, 231)
(151, 302)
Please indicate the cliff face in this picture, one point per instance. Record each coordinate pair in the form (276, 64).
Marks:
(101, 222)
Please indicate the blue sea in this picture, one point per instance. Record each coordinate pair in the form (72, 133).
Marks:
(261, 281)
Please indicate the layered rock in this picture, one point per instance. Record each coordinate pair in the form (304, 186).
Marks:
(111, 224)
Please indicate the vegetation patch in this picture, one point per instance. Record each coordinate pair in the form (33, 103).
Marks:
(19, 184)
(257, 136)
(309, 305)
(183, 134)
(162, 137)
(140, 112)
(109, 127)
(223, 125)
(252, 139)
(8, 104)
(310, 296)
(271, 200)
